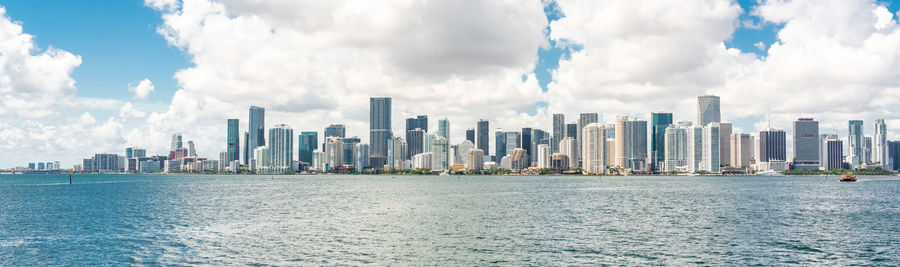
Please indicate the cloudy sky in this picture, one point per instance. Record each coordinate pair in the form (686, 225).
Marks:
(82, 79)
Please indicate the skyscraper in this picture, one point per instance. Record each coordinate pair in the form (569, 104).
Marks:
(379, 128)
(583, 120)
(708, 110)
(543, 158)
(855, 140)
(741, 150)
(659, 121)
(470, 135)
(335, 130)
(867, 151)
(623, 148)
(638, 142)
(444, 128)
(772, 149)
(306, 144)
(176, 142)
(538, 137)
(725, 143)
(893, 155)
(593, 142)
(257, 128)
(482, 130)
(513, 141)
(232, 151)
(711, 149)
(499, 143)
(833, 153)
(440, 155)
(419, 122)
(362, 157)
(567, 148)
(526, 143)
(281, 146)
(806, 144)
(559, 132)
(676, 147)
(572, 131)
(246, 158)
(415, 140)
(879, 146)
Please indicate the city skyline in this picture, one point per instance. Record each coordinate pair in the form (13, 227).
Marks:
(87, 101)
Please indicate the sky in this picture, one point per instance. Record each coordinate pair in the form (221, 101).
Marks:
(78, 79)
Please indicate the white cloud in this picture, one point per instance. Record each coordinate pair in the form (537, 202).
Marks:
(760, 45)
(128, 111)
(142, 90)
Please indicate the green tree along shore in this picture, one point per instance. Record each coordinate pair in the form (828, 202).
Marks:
(839, 172)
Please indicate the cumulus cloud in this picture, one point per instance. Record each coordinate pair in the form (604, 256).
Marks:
(128, 111)
(142, 89)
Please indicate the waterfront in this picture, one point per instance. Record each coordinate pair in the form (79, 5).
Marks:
(447, 220)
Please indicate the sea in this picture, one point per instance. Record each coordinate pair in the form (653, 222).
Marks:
(447, 220)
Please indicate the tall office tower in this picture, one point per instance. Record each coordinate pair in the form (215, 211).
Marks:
(538, 137)
(741, 150)
(772, 149)
(440, 154)
(867, 151)
(711, 148)
(543, 158)
(513, 141)
(363, 156)
(423, 122)
(832, 153)
(306, 144)
(349, 152)
(806, 144)
(379, 129)
(129, 152)
(233, 148)
(559, 131)
(415, 142)
(192, 150)
(593, 148)
(857, 147)
(397, 153)
(567, 147)
(335, 130)
(444, 128)
(610, 157)
(246, 158)
(176, 142)
(475, 160)
(419, 122)
(823, 149)
(879, 147)
(281, 146)
(708, 110)
(622, 145)
(583, 120)
(499, 143)
(481, 137)
(637, 161)
(428, 142)
(334, 152)
(659, 121)
(526, 144)
(571, 131)
(470, 135)
(257, 128)
(675, 141)
(725, 143)
(695, 148)
(893, 155)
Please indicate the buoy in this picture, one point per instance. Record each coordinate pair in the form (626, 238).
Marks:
(70, 177)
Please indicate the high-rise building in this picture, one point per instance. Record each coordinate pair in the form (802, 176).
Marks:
(806, 144)
(176, 142)
(725, 143)
(260, 158)
(233, 145)
(349, 152)
(440, 154)
(708, 110)
(306, 144)
(415, 142)
(475, 160)
(832, 153)
(482, 130)
(695, 148)
(593, 148)
(470, 135)
(543, 158)
(772, 149)
(281, 146)
(867, 151)
(879, 146)
(518, 159)
(571, 131)
(246, 158)
(741, 150)
(334, 153)
(623, 145)
(583, 120)
(637, 161)
(538, 137)
(363, 156)
(711, 149)
(397, 153)
(559, 131)
(659, 121)
(499, 143)
(513, 141)
(379, 128)
(335, 130)
(526, 143)
(567, 148)
(676, 143)
(857, 147)
(257, 128)
(444, 128)
(192, 150)
(893, 155)
(419, 122)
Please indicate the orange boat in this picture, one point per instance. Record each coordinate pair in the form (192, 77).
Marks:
(848, 178)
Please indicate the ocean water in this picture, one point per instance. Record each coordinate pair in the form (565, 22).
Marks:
(449, 220)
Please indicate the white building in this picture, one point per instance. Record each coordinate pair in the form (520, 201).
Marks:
(567, 147)
(593, 148)
(422, 160)
(261, 157)
(879, 146)
(543, 156)
(711, 148)
(475, 161)
(440, 154)
(676, 143)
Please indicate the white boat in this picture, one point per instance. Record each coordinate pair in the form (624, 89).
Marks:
(769, 173)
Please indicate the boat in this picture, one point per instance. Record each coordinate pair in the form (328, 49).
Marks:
(848, 178)
(769, 173)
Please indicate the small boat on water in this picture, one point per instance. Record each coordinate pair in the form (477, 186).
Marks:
(769, 173)
(848, 178)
